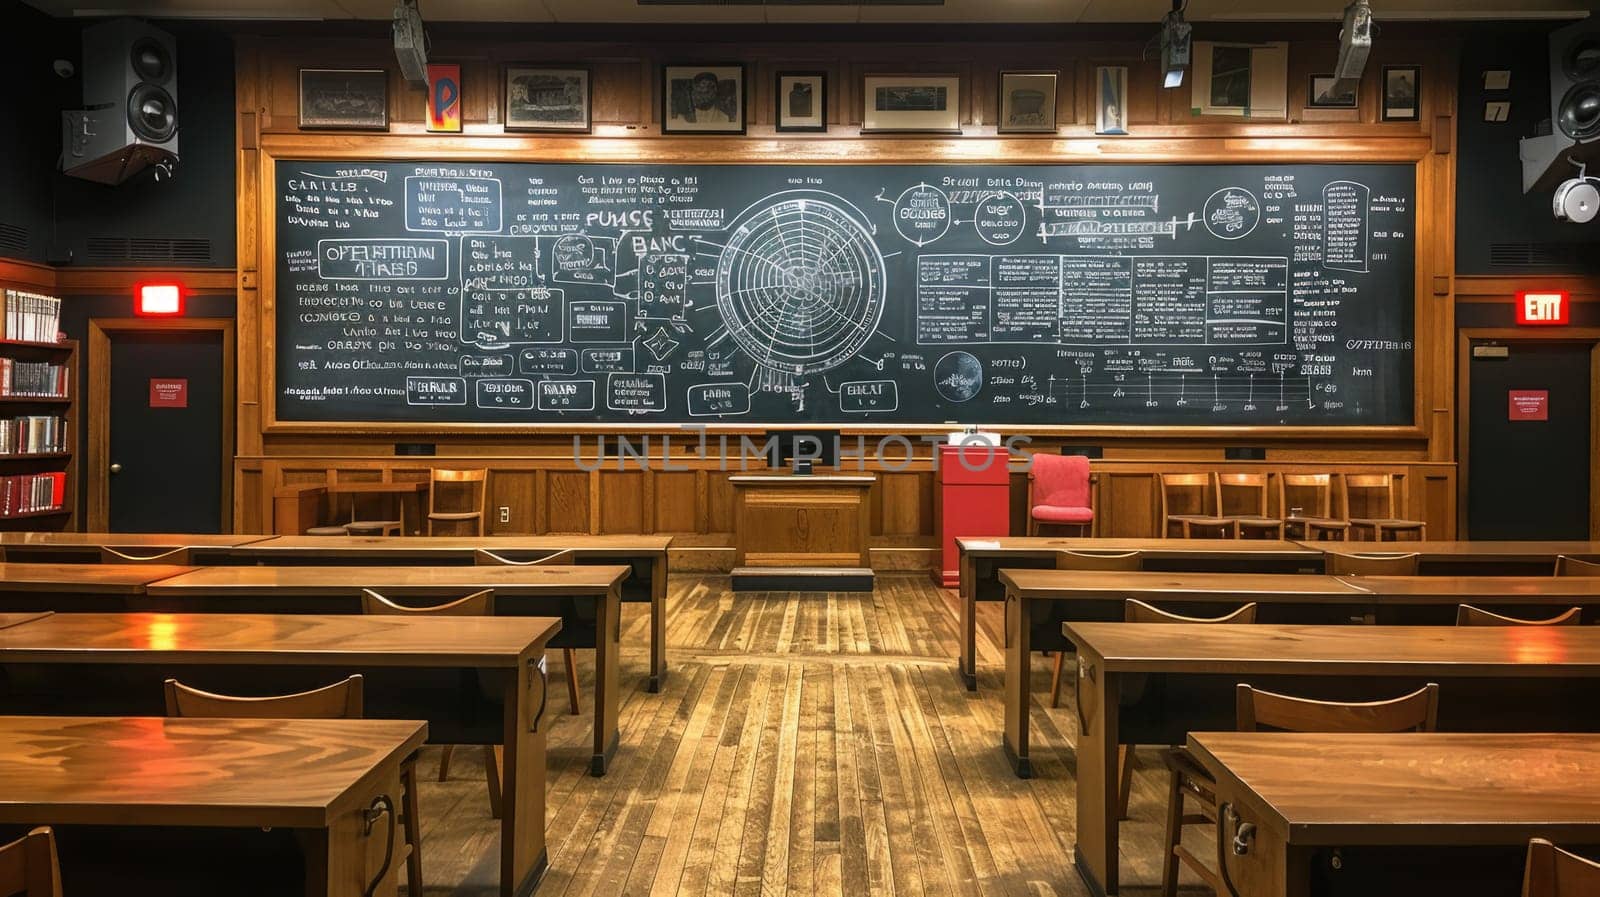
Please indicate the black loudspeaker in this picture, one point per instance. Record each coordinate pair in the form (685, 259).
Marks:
(1575, 80)
(1093, 452)
(1244, 453)
(130, 97)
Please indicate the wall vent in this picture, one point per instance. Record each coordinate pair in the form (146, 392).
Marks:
(1565, 256)
(148, 249)
(13, 238)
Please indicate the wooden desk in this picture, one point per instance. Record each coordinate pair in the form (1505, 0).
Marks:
(1443, 813)
(55, 547)
(982, 559)
(114, 664)
(238, 777)
(783, 520)
(29, 587)
(568, 592)
(9, 620)
(1153, 684)
(1511, 594)
(647, 555)
(1474, 557)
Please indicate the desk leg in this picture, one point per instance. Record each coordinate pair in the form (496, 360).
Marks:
(523, 858)
(1019, 676)
(967, 664)
(608, 644)
(658, 623)
(344, 858)
(1098, 782)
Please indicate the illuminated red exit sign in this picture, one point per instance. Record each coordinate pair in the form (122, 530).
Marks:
(1541, 308)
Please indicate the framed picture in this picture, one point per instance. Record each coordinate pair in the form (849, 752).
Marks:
(1328, 92)
(929, 104)
(547, 99)
(1244, 80)
(802, 100)
(1400, 92)
(702, 99)
(1111, 100)
(1027, 103)
(444, 98)
(344, 99)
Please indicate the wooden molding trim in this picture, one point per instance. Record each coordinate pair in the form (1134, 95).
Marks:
(27, 274)
(1500, 287)
(102, 281)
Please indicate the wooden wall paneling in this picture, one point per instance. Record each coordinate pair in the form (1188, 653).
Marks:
(675, 507)
(566, 501)
(518, 491)
(900, 501)
(623, 497)
(719, 502)
(20, 275)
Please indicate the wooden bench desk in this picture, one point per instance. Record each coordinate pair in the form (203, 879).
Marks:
(57, 547)
(105, 587)
(1473, 557)
(415, 668)
(9, 620)
(1142, 683)
(1438, 813)
(223, 781)
(981, 560)
(586, 599)
(647, 555)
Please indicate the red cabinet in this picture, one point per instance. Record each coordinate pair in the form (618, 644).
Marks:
(974, 494)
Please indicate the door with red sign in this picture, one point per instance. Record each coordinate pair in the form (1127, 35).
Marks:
(1529, 452)
(165, 447)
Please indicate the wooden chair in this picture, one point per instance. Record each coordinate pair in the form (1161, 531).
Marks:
(1248, 491)
(1087, 560)
(1467, 615)
(341, 700)
(478, 604)
(1566, 566)
(28, 865)
(1136, 611)
(1553, 872)
(483, 557)
(1416, 712)
(179, 556)
(1183, 507)
(457, 497)
(1377, 489)
(1060, 493)
(1372, 564)
(1312, 493)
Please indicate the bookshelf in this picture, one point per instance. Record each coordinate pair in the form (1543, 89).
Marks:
(38, 417)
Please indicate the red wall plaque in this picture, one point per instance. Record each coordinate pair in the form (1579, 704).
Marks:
(1530, 404)
(169, 393)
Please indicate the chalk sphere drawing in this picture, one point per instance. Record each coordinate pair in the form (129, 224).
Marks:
(958, 376)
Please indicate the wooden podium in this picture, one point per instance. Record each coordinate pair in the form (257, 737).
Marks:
(799, 533)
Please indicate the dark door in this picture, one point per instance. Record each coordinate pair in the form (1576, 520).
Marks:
(166, 431)
(1528, 478)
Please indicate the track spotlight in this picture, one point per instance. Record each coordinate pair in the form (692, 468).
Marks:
(1355, 41)
(1175, 33)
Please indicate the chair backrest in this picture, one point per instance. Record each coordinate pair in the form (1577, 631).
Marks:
(1374, 495)
(1136, 611)
(1467, 615)
(179, 555)
(1183, 493)
(1241, 493)
(1061, 481)
(1566, 566)
(341, 700)
(1372, 564)
(28, 866)
(1416, 712)
(464, 490)
(1071, 559)
(483, 557)
(1553, 872)
(1295, 488)
(478, 604)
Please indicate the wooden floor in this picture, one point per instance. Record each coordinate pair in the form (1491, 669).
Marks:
(805, 744)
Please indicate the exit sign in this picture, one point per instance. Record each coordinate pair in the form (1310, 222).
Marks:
(1541, 308)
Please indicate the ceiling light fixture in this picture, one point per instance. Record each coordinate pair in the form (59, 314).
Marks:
(1175, 46)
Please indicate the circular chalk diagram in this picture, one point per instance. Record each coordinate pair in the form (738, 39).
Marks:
(922, 214)
(1232, 213)
(800, 284)
(1000, 219)
(958, 376)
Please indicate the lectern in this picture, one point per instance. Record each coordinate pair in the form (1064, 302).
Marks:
(801, 533)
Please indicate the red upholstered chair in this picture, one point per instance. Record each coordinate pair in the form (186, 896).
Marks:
(1060, 494)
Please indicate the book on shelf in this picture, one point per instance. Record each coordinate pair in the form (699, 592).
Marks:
(33, 434)
(31, 317)
(30, 493)
(33, 379)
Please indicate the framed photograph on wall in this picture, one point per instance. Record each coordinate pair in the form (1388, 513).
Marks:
(1328, 92)
(1244, 80)
(702, 99)
(344, 99)
(918, 104)
(802, 101)
(548, 99)
(1400, 85)
(1027, 103)
(1111, 100)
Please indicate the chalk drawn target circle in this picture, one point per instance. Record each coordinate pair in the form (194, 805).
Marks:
(800, 284)
(1231, 213)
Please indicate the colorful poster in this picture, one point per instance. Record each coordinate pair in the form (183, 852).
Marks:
(444, 98)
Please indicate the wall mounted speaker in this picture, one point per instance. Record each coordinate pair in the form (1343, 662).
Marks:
(1575, 80)
(130, 97)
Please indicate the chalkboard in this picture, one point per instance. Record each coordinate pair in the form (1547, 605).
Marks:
(760, 294)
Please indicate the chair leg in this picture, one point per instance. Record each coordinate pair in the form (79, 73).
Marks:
(1174, 836)
(571, 658)
(413, 827)
(445, 757)
(1055, 680)
(1125, 778)
(493, 770)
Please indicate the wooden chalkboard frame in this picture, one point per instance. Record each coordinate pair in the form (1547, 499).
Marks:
(1431, 344)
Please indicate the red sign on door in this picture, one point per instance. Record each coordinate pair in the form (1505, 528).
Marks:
(169, 393)
(1530, 404)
